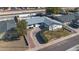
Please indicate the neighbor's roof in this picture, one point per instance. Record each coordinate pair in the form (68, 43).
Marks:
(76, 14)
(6, 25)
(66, 18)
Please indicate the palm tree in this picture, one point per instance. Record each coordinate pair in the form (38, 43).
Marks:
(21, 28)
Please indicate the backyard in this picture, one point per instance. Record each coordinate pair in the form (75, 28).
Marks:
(55, 34)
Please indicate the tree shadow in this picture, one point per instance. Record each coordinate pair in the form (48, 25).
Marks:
(10, 35)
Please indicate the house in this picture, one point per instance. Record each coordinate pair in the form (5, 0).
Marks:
(65, 18)
(6, 23)
(75, 22)
(76, 14)
(51, 24)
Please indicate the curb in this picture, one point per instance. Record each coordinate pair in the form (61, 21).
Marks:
(53, 42)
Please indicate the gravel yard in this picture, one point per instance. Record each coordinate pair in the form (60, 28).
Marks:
(17, 45)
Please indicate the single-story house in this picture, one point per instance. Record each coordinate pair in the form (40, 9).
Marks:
(51, 24)
(65, 18)
(76, 14)
(75, 22)
(6, 23)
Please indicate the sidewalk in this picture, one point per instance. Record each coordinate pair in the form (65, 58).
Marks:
(54, 42)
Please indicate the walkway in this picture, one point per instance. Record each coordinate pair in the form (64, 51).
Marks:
(34, 32)
(30, 40)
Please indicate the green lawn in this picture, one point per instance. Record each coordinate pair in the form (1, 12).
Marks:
(55, 34)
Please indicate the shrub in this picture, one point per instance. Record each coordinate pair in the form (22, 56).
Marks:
(42, 35)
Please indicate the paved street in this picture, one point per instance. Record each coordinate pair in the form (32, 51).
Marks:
(63, 45)
(21, 12)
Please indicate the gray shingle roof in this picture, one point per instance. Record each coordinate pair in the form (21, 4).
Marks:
(50, 21)
(46, 20)
(66, 18)
(7, 25)
(34, 20)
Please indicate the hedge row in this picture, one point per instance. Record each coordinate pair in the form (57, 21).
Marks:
(42, 35)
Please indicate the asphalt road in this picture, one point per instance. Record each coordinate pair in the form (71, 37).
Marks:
(63, 45)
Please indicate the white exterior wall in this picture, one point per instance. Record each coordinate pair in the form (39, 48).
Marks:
(55, 27)
(50, 28)
(29, 26)
(37, 25)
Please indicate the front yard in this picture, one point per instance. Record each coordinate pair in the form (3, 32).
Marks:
(17, 45)
(55, 34)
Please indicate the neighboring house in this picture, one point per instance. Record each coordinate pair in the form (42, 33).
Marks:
(65, 18)
(76, 14)
(75, 22)
(51, 24)
(6, 24)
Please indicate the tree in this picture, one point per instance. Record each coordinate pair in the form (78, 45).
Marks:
(21, 25)
(76, 9)
(55, 10)
(22, 29)
(16, 19)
